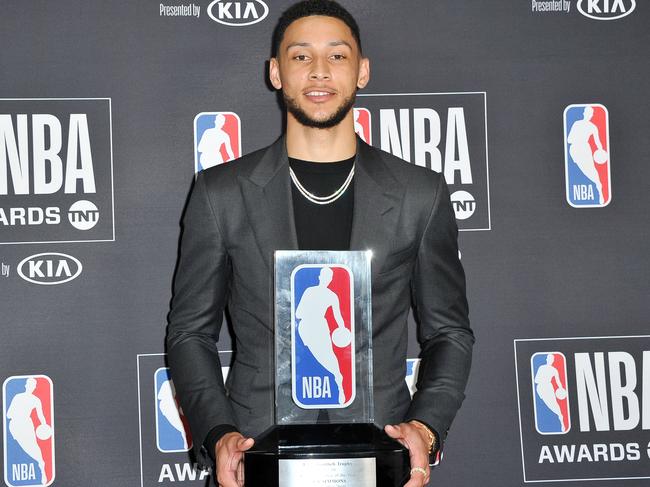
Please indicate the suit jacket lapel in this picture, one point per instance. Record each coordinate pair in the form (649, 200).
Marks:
(267, 196)
(377, 205)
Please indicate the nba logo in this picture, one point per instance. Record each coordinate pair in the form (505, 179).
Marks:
(217, 139)
(362, 124)
(28, 410)
(586, 156)
(322, 336)
(172, 431)
(550, 397)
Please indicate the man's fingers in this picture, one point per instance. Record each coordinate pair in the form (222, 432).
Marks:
(234, 460)
(408, 436)
(392, 430)
(240, 474)
(226, 478)
(396, 433)
(230, 454)
(244, 444)
(416, 474)
(227, 469)
(419, 477)
(420, 459)
(416, 480)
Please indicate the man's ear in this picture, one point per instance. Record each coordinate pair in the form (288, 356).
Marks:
(274, 73)
(364, 73)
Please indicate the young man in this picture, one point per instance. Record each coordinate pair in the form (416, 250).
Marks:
(317, 187)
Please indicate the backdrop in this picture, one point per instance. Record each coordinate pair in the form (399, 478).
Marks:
(536, 112)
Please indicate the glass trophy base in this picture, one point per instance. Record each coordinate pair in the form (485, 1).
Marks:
(342, 455)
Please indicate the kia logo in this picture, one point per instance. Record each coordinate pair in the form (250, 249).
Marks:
(606, 9)
(238, 13)
(49, 268)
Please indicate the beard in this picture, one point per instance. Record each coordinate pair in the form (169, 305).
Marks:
(332, 121)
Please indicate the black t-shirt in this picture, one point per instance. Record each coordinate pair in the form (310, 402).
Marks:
(322, 227)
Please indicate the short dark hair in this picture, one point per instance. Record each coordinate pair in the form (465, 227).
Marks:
(307, 8)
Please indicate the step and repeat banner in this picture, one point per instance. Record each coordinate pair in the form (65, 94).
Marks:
(536, 112)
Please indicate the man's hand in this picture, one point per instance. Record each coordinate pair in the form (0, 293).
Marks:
(417, 443)
(229, 455)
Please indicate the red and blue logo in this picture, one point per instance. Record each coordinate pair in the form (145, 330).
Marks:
(217, 139)
(550, 393)
(363, 124)
(172, 428)
(586, 156)
(28, 418)
(322, 333)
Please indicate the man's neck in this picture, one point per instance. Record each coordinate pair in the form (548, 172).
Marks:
(321, 145)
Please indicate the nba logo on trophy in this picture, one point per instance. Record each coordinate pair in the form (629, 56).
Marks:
(217, 139)
(28, 430)
(550, 394)
(586, 156)
(322, 333)
(172, 431)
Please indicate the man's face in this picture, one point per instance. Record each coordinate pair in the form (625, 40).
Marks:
(319, 68)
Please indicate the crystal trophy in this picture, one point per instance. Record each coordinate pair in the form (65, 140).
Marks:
(324, 432)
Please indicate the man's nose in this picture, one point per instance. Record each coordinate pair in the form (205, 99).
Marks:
(320, 70)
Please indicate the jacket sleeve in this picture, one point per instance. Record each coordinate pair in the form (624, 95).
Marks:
(441, 312)
(200, 292)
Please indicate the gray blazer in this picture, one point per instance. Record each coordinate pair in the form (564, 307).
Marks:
(239, 213)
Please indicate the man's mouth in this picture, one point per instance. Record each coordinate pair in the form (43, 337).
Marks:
(319, 96)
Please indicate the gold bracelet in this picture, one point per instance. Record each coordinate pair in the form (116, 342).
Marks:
(423, 427)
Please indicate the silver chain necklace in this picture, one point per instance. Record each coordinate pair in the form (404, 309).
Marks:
(322, 200)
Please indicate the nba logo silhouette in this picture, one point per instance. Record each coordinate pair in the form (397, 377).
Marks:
(362, 124)
(322, 335)
(586, 156)
(550, 393)
(217, 139)
(28, 418)
(172, 431)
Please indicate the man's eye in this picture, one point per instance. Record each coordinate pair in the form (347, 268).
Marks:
(338, 57)
(300, 57)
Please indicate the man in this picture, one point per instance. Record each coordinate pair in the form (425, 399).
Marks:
(297, 193)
